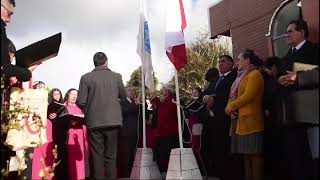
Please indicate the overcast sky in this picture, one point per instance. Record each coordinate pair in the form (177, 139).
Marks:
(110, 26)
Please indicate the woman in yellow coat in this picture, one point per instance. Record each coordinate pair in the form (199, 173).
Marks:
(245, 107)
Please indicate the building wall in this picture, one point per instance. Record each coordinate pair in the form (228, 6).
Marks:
(248, 22)
(310, 11)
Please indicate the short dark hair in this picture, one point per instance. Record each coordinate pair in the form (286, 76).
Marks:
(227, 57)
(271, 61)
(301, 25)
(253, 58)
(212, 74)
(11, 46)
(99, 59)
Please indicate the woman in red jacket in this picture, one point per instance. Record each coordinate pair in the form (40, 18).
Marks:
(166, 132)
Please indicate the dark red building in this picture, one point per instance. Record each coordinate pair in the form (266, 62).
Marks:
(261, 24)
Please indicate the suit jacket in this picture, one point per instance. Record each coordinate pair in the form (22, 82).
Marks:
(295, 100)
(4, 45)
(306, 101)
(9, 70)
(204, 114)
(269, 100)
(131, 115)
(99, 93)
(222, 92)
(249, 103)
(307, 54)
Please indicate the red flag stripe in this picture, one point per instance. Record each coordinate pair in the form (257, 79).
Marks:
(178, 56)
(183, 17)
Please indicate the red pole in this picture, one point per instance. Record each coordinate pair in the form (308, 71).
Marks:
(30, 84)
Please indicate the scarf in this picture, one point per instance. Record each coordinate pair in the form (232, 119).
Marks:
(234, 88)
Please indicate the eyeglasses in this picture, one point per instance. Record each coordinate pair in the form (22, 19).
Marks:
(8, 11)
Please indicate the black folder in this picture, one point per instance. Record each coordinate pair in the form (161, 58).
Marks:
(38, 52)
(56, 108)
(79, 117)
(66, 117)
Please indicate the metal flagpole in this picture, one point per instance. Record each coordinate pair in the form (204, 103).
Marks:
(179, 120)
(144, 167)
(178, 108)
(143, 94)
(143, 109)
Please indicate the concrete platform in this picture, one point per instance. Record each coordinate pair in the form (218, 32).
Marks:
(144, 167)
(183, 165)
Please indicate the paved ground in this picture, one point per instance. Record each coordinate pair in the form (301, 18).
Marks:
(204, 178)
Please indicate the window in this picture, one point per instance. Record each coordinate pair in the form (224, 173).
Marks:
(291, 11)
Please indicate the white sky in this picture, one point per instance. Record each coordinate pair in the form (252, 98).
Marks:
(110, 26)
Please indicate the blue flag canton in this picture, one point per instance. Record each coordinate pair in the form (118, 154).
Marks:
(146, 38)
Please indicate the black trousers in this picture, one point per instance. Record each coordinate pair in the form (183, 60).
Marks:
(215, 151)
(164, 145)
(103, 149)
(60, 138)
(126, 155)
(219, 147)
(274, 157)
(205, 152)
(298, 154)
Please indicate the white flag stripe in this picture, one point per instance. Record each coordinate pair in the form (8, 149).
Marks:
(140, 45)
(173, 23)
(144, 50)
(174, 35)
(173, 39)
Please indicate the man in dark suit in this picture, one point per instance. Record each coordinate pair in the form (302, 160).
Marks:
(128, 138)
(299, 104)
(12, 73)
(99, 94)
(219, 125)
(211, 76)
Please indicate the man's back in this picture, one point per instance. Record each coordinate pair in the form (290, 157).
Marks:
(99, 94)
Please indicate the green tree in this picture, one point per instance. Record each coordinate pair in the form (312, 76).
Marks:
(202, 54)
(135, 80)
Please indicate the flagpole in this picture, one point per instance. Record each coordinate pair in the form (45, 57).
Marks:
(143, 94)
(178, 108)
(144, 167)
(143, 108)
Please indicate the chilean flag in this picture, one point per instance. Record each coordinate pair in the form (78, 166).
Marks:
(174, 37)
